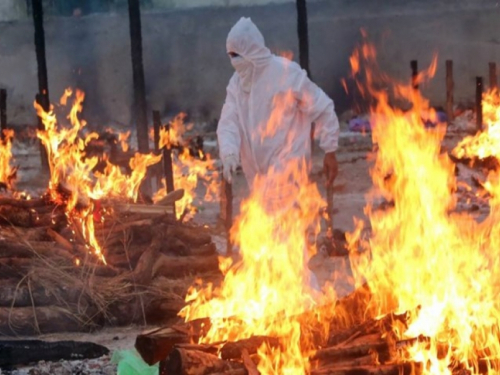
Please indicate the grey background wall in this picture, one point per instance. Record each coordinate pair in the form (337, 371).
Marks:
(185, 58)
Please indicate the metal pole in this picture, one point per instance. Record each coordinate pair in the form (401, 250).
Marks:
(227, 212)
(138, 75)
(449, 90)
(303, 33)
(3, 112)
(479, 103)
(42, 97)
(168, 169)
(156, 136)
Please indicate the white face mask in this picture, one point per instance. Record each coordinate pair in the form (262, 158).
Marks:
(244, 68)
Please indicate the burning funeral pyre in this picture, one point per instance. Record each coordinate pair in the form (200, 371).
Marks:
(93, 250)
(428, 294)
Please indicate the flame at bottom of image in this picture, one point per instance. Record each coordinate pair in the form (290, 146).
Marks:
(268, 289)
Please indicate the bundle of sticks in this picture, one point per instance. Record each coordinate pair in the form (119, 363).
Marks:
(52, 280)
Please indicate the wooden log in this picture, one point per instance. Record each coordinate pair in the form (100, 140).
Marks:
(192, 236)
(479, 103)
(407, 368)
(212, 349)
(14, 295)
(25, 203)
(358, 348)
(10, 249)
(122, 227)
(250, 366)
(367, 360)
(162, 309)
(143, 272)
(12, 268)
(414, 74)
(143, 209)
(171, 198)
(190, 362)
(156, 344)
(367, 327)
(176, 267)
(234, 350)
(25, 352)
(33, 321)
(27, 234)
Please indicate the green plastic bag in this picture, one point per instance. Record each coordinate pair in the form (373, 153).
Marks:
(130, 363)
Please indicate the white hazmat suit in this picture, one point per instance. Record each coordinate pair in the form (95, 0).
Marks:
(267, 117)
(269, 108)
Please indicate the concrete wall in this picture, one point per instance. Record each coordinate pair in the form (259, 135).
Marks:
(187, 67)
(12, 10)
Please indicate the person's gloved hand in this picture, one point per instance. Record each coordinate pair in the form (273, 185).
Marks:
(229, 165)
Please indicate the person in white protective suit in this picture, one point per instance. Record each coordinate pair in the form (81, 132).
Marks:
(268, 113)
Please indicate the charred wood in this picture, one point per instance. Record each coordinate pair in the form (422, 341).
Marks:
(234, 350)
(25, 352)
(183, 362)
(389, 369)
(176, 267)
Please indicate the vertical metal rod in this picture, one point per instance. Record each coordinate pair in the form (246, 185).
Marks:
(449, 90)
(43, 84)
(414, 73)
(141, 117)
(168, 169)
(303, 34)
(227, 212)
(493, 76)
(156, 136)
(3, 112)
(479, 103)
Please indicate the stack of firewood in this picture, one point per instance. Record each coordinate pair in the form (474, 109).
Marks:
(51, 280)
(353, 345)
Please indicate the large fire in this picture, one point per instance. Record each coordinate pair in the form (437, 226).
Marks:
(72, 179)
(423, 257)
(265, 293)
(76, 183)
(268, 290)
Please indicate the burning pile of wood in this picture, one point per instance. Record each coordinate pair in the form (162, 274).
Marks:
(353, 345)
(52, 281)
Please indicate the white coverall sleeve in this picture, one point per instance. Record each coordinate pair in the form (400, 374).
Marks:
(320, 109)
(228, 134)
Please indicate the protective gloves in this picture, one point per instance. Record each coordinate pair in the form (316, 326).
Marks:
(229, 165)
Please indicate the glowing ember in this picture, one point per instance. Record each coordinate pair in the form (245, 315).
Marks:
(7, 171)
(420, 254)
(187, 169)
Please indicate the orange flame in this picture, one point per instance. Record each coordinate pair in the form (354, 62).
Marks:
(72, 171)
(487, 142)
(422, 255)
(187, 169)
(7, 171)
(271, 280)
